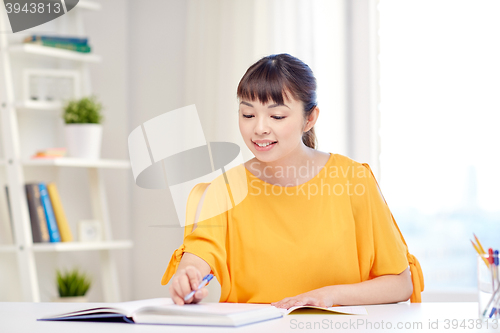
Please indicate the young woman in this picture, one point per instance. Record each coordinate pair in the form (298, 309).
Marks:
(313, 228)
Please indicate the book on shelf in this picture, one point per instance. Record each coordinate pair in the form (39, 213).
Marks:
(59, 39)
(39, 228)
(67, 43)
(65, 46)
(49, 214)
(62, 222)
(164, 311)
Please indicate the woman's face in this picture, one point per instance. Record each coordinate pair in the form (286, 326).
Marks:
(279, 124)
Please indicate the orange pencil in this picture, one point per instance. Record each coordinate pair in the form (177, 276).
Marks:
(478, 252)
(479, 244)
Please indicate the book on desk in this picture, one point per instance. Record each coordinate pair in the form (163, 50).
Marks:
(164, 311)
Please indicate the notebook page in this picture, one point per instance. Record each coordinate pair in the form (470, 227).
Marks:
(132, 306)
(208, 314)
(204, 309)
(353, 310)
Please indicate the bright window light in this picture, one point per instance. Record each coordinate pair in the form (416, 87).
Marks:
(440, 131)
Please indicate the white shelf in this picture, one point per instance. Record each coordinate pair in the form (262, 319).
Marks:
(90, 5)
(42, 106)
(54, 52)
(77, 162)
(7, 248)
(82, 246)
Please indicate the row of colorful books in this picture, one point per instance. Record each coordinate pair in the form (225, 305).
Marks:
(48, 220)
(67, 43)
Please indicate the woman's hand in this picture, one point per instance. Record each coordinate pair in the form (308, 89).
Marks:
(184, 281)
(383, 289)
(321, 297)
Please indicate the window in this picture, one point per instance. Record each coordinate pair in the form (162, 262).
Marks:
(440, 131)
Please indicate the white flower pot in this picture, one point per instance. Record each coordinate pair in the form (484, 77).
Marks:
(83, 140)
(76, 299)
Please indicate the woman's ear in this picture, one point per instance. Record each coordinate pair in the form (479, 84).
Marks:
(311, 119)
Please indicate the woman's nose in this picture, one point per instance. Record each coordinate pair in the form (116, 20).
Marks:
(262, 127)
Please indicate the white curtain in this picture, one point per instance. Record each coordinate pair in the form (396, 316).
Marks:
(225, 37)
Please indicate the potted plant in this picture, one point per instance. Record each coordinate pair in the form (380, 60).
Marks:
(83, 127)
(72, 286)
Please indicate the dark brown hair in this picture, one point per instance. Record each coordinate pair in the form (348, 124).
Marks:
(273, 76)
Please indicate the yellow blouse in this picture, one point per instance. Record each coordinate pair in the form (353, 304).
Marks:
(283, 241)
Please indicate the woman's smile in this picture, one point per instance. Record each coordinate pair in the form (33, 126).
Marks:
(264, 145)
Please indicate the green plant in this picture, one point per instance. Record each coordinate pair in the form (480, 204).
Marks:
(72, 283)
(86, 110)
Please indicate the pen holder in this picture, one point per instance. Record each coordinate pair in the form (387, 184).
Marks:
(488, 288)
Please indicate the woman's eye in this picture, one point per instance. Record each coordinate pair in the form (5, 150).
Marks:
(275, 117)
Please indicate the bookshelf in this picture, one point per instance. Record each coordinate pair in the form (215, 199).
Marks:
(39, 50)
(14, 164)
(38, 106)
(79, 246)
(72, 246)
(78, 162)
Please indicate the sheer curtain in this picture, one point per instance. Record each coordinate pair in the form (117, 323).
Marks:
(224, 37)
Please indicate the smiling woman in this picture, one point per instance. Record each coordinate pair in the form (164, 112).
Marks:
(303, 246)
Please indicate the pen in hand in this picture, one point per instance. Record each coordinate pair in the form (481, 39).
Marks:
(202, 284)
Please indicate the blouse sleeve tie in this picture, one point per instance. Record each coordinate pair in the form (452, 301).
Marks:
(417, 278)
(172, 266)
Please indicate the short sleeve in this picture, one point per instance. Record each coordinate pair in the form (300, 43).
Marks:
(208, 240)
(389, 252)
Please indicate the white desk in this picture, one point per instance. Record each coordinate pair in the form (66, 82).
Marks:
(21, 317)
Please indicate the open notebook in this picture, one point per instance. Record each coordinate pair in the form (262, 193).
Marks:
(164, 311)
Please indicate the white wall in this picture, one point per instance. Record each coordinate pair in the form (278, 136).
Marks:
(157, 52)
(108, 31)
